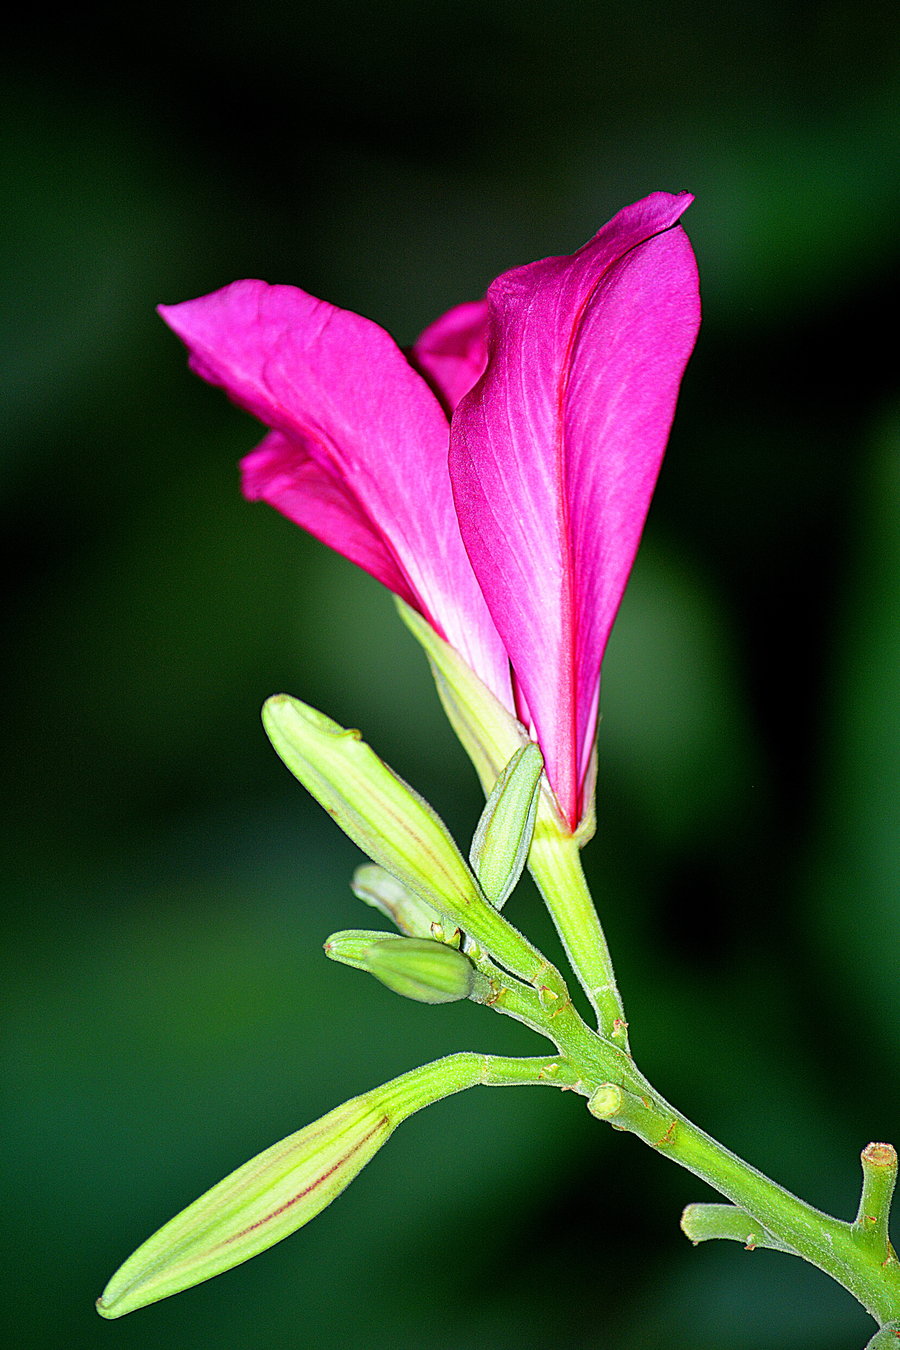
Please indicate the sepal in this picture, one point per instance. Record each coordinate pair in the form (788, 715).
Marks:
(503, 837)
(488, 732)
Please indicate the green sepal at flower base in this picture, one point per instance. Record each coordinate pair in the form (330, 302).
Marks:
(503, 837)
(491, 737)
(392, 824)
(487, 731)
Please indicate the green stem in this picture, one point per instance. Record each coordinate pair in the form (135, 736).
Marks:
(837, 1248)
(859, 1255)
(455, 1073)
(888, 1338)
(555, 864)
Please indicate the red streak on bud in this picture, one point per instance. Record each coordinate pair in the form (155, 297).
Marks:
(307, 1190)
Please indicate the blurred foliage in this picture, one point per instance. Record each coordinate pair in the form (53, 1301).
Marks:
(168, 1011)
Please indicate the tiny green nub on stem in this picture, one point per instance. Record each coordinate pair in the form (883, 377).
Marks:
(870, 1228)
(705, 1223)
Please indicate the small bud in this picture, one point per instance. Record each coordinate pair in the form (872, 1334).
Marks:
(375, 886)
(606, 1101)
(417, 968)
(503, 837)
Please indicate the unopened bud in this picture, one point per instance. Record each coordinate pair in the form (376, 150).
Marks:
(379, 812)
(262, 1202)
(412, 915)
(351, 946)
(281, 1189)
(428, 972)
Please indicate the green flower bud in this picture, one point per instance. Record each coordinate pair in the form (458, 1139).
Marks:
(256, 1206)
(392, 823)
(413, 916)
(379, 812)
(428, 972)
(291, 1182)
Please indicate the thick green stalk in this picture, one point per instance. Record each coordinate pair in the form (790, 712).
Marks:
(870, 1271)
(555, 864)
(859, 1255)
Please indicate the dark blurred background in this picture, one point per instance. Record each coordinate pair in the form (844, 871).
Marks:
(168, 887)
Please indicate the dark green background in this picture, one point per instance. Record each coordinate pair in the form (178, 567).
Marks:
(168, 1009)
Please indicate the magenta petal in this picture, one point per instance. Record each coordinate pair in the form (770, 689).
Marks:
(555, 453)
(451, 353)
(360, 455)
(284, 474)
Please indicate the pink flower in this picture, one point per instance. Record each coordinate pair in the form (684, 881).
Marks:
(511, 528)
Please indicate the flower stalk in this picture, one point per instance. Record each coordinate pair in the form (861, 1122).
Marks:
(555, 864)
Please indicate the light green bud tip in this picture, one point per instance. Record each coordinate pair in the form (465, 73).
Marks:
(351, 946)
(417, 968)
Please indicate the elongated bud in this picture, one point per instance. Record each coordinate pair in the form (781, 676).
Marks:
(253, 1208)
(503, 837)
(281, 1189)
(390, 822)
(428, 972)
(380, 813)
(413, 916)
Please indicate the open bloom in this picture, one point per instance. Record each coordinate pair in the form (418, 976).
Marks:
(498, 477)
